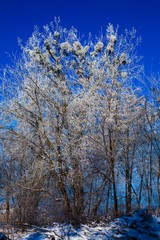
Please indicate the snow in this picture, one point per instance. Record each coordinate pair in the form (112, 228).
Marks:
(141, 226)
(3, 237)
(36, 236)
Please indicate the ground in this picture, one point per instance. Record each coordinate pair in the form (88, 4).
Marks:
(141, 226)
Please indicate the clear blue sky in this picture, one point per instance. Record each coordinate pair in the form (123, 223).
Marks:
(18, 17)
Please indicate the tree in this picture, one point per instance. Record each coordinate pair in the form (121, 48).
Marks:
(116, 106)
(72, 101)
(152, 116)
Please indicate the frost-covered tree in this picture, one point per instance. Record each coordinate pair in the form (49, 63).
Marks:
(152, 131)
(77, 114)
(115, 105)
(52, 81)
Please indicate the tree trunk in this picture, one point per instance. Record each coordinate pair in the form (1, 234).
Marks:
(115, 194)
(78, 190)
(7, 206)
(128, 190)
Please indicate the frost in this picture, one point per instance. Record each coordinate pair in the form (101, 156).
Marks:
(80, 71)
(54, 42)
(34, 55)
(46, 42)
(85, 49)
(124, 74)
(66, 46)
(73, 63)
(53, 51)
(122, 58)
(59, 67)
(56, 34)
(31, 53)
(99, 46)
(77, 46)
(79, 49)
(110, 47)
(112, 41)
(93, 54)
(113, 38)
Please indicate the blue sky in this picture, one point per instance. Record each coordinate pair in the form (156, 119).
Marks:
(18, 17)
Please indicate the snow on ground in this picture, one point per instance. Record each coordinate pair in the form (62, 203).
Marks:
(141, 226)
